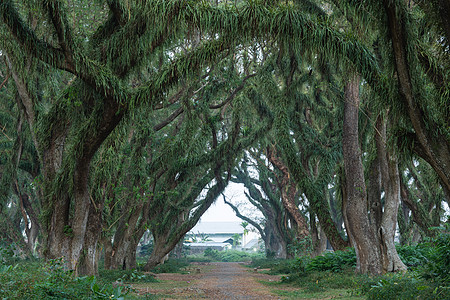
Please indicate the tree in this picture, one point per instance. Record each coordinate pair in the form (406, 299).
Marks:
(362, 235)
(80, 76)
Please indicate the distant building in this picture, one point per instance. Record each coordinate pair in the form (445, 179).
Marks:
(216, 231)
(218, 234)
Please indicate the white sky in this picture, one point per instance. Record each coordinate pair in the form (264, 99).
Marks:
(219, 211)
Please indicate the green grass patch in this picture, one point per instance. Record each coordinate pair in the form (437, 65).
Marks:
(318, 285)
(325, 294)
(211, 255)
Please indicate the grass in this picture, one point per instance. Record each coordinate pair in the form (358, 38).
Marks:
(318, 285)
(326, 294)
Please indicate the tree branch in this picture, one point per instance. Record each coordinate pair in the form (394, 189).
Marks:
(241, 216)
(30, 42)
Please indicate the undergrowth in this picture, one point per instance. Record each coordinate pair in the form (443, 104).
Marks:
(428, 275)
(34, 280)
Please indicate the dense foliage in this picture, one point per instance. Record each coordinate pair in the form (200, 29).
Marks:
(123, 121)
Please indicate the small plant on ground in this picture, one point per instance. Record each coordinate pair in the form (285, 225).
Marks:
(171, 266)
(125, 276)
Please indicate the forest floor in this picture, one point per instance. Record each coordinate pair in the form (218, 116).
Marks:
(226, 280)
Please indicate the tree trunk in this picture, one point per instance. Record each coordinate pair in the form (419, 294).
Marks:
(364, 238)
(107, 245)
(404, 222)
(178, 251)
(160, 251)
(319, 238)
(120, 247)
(288, 190)
(274, 244)
(391, 183)
(374, 193)
(130, 256)
(91, 251)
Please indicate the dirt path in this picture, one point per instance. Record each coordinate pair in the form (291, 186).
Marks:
(216, 281)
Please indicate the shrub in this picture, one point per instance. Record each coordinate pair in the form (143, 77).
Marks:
(333, 261)
(438, 266)
(231, 255)
(33, 280)
(293, 266)
(317, 281)
(414, 256)
(270, 254)
(212, 253)
(171, 266)
(402, 286)
(264, 263)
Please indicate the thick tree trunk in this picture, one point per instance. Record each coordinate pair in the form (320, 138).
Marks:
(160, 251)
(274, 245)
(123, 241)
(91, 252)
(319, 238)
(374, 193)
(364, 238)
(130, 256)
(178, 251)
(391, 183)
(108, 248)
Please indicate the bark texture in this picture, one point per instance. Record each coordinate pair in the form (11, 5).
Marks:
(363, 236)
(391, 183)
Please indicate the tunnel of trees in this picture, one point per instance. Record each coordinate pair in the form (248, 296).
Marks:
(121, 117)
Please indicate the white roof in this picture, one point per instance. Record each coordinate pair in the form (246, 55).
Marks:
(207, 244)
(253, 243)
(217, 227)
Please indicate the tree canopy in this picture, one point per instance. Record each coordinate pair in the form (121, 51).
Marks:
(119, 117)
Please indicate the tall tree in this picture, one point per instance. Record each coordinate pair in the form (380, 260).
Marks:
(362, 235)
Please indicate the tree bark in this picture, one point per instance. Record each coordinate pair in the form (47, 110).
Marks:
(364, 238)
(288, 190)
(91, 252)
(318, 237)
(374, 193)
(123, 240)
(391, 183)
(160, 251)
